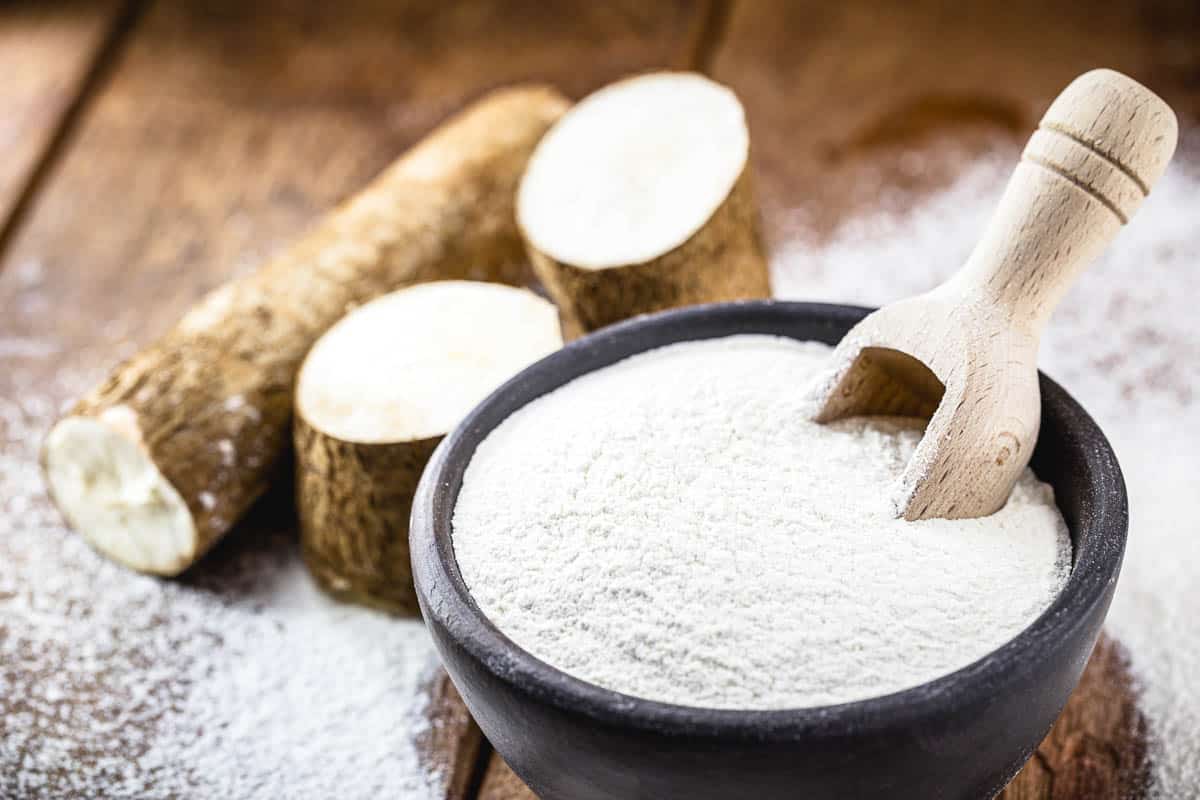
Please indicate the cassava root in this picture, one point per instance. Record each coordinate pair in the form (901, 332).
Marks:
(158, 462)
(639, 199)
(375, 396)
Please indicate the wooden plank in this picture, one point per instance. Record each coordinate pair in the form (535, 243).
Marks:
(316, 100)
(501, 783)
(47, 51)
(1097, 748)
(451, 743)
(847, 101)
(222, 131)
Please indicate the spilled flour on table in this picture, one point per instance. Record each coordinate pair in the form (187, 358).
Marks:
(1124, 342)
(238, 681)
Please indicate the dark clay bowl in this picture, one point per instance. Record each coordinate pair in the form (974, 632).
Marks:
(964, 735)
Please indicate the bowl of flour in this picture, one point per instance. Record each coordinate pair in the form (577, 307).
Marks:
(650, 576)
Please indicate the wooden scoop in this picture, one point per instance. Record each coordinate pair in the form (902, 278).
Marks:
(964, 355)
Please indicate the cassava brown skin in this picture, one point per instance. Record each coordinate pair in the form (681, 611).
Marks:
(226, 372)
(354, 501)
(724, 260)
(354, 488)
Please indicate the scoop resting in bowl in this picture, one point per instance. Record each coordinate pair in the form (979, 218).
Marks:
(963, 735)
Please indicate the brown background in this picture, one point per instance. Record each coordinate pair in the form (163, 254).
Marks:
(151, 150)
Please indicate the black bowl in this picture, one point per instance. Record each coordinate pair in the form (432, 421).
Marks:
(964, 735)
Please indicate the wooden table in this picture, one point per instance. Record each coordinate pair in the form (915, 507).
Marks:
(154, 149)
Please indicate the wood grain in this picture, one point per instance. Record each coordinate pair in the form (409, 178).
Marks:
(222, 131)
(451, 744)
(501, 783)
(228, 127)
(1097, 748)
(47, 52)
(866, 105)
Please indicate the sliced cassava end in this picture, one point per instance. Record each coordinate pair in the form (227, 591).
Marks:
(639, 199)
(155, 464)
(108, 486)
(375, 396)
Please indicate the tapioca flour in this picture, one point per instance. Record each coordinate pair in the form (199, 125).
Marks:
(673, 528)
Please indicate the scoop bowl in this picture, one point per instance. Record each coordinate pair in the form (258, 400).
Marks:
(964, 735)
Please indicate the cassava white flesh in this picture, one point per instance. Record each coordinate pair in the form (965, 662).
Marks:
(157, 463)
(639, 199)
(106, 483)
(375, 396)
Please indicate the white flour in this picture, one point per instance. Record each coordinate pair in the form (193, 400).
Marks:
(239, 681)
(671, 527)
(1125, 344)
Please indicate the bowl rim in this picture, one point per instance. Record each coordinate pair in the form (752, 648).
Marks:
(1097, 551)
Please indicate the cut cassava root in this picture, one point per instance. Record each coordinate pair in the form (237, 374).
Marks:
(375, 396)
(640, 199)
(157, 463)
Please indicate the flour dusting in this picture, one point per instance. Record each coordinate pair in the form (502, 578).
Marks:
(239, 681)
(674, 527)
(1124, 343)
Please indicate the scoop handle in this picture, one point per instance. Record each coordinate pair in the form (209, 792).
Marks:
(1099, 149)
